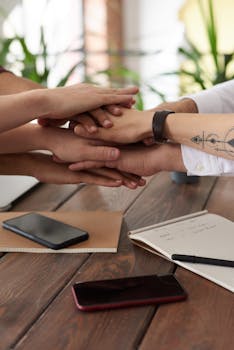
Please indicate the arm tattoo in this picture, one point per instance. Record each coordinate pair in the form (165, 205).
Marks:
(213, 141)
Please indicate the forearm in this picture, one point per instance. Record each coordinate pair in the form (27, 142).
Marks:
(17, 164)
(11, 84)
(26, 138)
(211, 133)
(19, 109)
(172, 159)
(185, 105)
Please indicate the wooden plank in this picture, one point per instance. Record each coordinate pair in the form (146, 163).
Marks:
(119, 329)
(104, 198)
(221, 200)
(206, 320)
(45, 197)
(31, 281)
(166, 200)
(64, 265)
(29, 284)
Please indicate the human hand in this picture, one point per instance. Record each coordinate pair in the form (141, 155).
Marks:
(73, 148)
(134, 126)
(90, 123)
(42, 167)
(184, 105)
(67, 147)
(46, 170)
(131, 127)
(141, 160)
(80, 98)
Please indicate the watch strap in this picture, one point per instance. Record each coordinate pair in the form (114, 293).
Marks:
(158, 123)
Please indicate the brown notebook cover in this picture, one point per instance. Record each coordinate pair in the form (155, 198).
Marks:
(103, 228)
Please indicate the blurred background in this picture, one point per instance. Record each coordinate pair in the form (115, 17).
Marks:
(168, 48)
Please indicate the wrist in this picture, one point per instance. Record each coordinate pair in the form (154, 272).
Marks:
(17, 164)
(172, 159)
(146, 129)
(40, 138)
(51, 138)
(37, 102)
(185, 105)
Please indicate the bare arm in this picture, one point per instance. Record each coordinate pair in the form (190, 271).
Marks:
(141, 160)
(65, 146)
(59, 103)
(211, 133)
(11, 84)
(61, 142)
(46, 170)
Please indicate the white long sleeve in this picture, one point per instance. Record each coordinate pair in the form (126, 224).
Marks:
(218, 99)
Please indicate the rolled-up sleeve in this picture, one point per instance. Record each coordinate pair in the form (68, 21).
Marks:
(218, 99)
(203, 164)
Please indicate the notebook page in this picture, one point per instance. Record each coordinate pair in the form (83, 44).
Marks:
(208, 235)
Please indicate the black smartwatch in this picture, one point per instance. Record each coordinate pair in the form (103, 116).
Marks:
(158, 123)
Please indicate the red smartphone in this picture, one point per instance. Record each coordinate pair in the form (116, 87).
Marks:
(123, 292)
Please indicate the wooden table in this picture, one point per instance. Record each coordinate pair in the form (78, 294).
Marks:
(37, 310)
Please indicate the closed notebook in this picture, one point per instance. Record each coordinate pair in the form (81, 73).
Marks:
(201, 234)
(103, 228)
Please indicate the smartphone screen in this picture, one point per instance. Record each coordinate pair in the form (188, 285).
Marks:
(46, 231)
(106, 294)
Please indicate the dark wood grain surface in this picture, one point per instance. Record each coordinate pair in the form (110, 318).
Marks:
(36, 306)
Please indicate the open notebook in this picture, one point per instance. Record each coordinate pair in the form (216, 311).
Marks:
(103, 228)
(201, 234)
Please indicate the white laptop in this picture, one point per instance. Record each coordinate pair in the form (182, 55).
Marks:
(12, 187)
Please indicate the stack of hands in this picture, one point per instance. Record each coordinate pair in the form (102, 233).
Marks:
(104, 141)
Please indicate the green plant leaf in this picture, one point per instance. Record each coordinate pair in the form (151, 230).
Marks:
(139, 102)
(63, 81)
(5, 46)
(211, 32)
(157, 92)
(121, 72)
(44, 55)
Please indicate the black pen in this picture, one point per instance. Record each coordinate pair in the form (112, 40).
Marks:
(201, 260)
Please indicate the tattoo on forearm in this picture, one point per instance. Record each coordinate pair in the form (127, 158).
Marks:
(215, 142)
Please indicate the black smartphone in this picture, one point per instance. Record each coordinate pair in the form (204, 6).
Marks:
(123, 292)
(46, 231)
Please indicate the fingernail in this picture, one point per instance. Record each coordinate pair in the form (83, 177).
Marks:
(119, 182)
(142, 182)
(117, 110)
(114, 154)
(92, 129)
(133, 183)
(107, 123)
